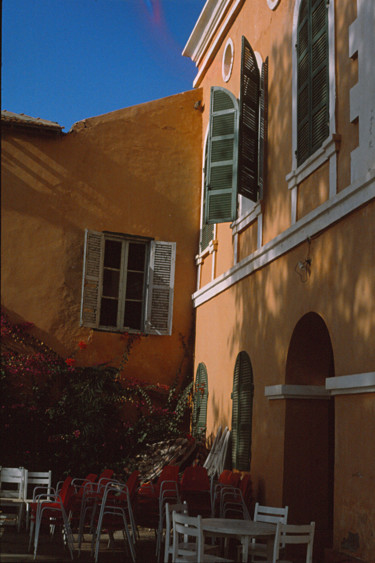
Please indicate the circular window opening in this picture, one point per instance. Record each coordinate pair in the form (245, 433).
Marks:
(228, 60)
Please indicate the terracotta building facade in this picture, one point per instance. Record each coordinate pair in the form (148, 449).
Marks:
(285, 268)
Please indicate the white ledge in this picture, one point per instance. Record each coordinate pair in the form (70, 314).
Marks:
(351, 384)
(296, 392)
(246, 220)
(342, 204)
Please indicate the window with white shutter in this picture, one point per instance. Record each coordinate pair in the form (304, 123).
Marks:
(127, 283)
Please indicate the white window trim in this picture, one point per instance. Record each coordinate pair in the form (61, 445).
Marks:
(296, 392)
(328, 150)
(227, 73)
(331, 211)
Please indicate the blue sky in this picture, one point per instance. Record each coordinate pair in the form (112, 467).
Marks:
(66, 60)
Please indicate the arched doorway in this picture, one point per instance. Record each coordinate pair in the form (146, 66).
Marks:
(309, 432)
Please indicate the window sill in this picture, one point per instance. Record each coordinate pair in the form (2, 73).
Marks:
(242, 222)
(320, 156)
(210, 249)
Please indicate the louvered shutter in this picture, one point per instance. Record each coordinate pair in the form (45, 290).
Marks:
(91, 280)
(200, 401)
(263, 128)
(222, 158)
(160, 288)
(320, 74)
(242, 412)
(313, 78)
(207, 231)
(248, 124)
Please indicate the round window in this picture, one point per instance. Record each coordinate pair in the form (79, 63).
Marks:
(228, 60)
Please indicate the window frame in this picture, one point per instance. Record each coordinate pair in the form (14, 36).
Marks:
(330, 146)
(158, 283)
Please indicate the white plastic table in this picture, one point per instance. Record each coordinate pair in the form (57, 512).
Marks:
(243, 530)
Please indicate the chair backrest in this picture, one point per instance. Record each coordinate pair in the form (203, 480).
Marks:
(270, 514)
(181, 508)
(187, 526)
(12, 482)
(66, 490)
(133, 483)
(37, 479)
(294, 534)
(168, 473)
(195, 478)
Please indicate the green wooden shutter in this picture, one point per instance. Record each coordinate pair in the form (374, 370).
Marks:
(91, 279)
(248, 124)
(243, 391)
(160, 288)
(199, 422)
(263, 128)
(222, 158)
(313, 78)
(207, 231)
(319, 74)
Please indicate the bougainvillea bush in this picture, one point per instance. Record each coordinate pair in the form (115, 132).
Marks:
(73, 420)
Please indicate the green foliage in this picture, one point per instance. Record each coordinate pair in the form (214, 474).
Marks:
(74, 420)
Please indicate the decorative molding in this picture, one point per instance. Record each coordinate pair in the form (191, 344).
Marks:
(331, 211)
(296, 392)
(199, 47)
(351, 384)
(340, 385)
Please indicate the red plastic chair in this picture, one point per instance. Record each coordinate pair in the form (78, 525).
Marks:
(76, 501)
(92, 493)
(195, 490)
(227, 478)
(53, 507)
(148, 497)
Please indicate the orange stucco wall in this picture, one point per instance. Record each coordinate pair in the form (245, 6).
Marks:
(130, 171)
(259, 313)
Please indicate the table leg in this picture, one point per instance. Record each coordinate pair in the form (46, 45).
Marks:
(245, 548)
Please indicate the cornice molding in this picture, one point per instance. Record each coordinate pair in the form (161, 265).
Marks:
(209, 22)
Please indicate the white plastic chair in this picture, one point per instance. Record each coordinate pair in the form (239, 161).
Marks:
(294, 534)
(12, 487)
(40, 480)
(185, 527)
(270, 514)
(168, 492)
(168, 546)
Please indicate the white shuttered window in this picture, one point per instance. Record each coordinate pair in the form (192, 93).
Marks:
(127, 283)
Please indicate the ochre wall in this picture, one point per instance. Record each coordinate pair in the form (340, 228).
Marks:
(131, 171)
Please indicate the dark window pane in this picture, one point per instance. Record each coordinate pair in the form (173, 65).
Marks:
(133, 314)
(112, 254)
(110, 283)
(136, 258)
(134, 285)
(108, 312)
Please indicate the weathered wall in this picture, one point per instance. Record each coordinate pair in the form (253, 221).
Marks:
(131, 171)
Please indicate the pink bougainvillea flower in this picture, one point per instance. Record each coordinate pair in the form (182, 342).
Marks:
(77, 433)
(70, 361)
(124, 335)
(82, 345)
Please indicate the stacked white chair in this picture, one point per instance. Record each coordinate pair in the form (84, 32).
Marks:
(272, 515)
(12, 490)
